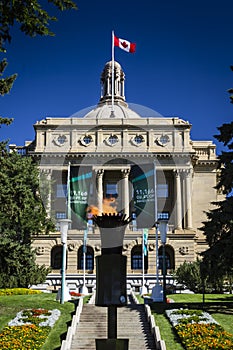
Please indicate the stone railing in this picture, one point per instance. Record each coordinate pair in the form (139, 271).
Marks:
(159, 343)
(66, 344)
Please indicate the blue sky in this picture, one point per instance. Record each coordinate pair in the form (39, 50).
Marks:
(181, 66)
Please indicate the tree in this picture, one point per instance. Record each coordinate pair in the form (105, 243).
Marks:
(22, 215)
(5, 87)
(31, 16)
(218, 229)
(18, 267)
(189, 274)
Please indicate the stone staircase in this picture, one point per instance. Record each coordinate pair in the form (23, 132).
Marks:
(131, 324)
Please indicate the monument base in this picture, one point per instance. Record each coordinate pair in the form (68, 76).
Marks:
(112, 344)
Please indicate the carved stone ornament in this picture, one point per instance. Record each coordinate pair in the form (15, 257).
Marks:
(71, 247)
(60, 140)
(151, 247)
(86, 140)
(137, 140)
(163, 140)
(112, 140)
(40, 250)
(125, 247)
(183, 250)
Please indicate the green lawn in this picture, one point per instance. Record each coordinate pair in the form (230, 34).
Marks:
(221, 313)
(10, 305)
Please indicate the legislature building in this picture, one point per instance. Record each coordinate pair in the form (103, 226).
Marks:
(109, 141)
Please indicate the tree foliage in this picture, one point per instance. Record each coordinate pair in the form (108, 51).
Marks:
(218, 229)
(18, 267)
(22, 213)
(189, 274)
(22, 216)
(32, 18)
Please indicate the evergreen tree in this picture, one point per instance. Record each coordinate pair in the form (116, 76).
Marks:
(22, 213)
(18, 268)
(22, 216)
(219, 227)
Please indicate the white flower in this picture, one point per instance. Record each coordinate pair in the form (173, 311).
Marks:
(175, 318)
(48, 321)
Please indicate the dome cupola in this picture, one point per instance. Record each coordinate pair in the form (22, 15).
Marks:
(118, 84)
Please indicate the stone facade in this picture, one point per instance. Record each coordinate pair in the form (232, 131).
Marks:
(109, 138)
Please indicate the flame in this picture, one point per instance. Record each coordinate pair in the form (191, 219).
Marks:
(108, 207)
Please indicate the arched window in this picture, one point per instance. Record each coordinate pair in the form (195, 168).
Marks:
(169, 257)
(136, 258)
(56, 257)
(89, 258)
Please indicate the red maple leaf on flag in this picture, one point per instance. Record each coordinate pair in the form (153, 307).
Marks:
(124, 44)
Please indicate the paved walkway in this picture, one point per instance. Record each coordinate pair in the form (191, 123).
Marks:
(131, 324)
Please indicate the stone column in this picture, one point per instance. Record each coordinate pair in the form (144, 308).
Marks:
(99, 175)
(188, 198)
(178, 200)
(125, 176)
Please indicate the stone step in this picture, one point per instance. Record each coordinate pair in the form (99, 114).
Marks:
(131, 324)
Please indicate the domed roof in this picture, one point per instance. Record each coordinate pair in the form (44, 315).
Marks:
(133, 110)
(105, 111)
(112, 101)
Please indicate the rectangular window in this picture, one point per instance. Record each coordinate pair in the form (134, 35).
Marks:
(162, 190)
(61, 190)
(111, 189)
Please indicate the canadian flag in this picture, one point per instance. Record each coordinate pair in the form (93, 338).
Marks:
(124, 44)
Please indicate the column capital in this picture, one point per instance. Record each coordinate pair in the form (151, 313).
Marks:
(188, 172)
(125, 172)
(99, 172)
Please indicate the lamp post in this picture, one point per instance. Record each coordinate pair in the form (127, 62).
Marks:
(64, 225)
(163, 237)
(156, 294)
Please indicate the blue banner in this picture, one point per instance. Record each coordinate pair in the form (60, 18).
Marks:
(80, 180)
(142, 178)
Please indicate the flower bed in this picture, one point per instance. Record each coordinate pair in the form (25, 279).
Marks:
(29, 329)
(18, 291)
(198, 330)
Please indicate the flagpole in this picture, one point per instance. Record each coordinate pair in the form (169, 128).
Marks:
(112, 71)
(84, 288)
(68, 194)
(143, 262)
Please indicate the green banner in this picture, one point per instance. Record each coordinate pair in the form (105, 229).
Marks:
(142, 178)
(80, 180)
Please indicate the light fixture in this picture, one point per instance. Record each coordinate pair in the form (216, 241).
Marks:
(163, 226)
(64, 225)
(163, 230)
